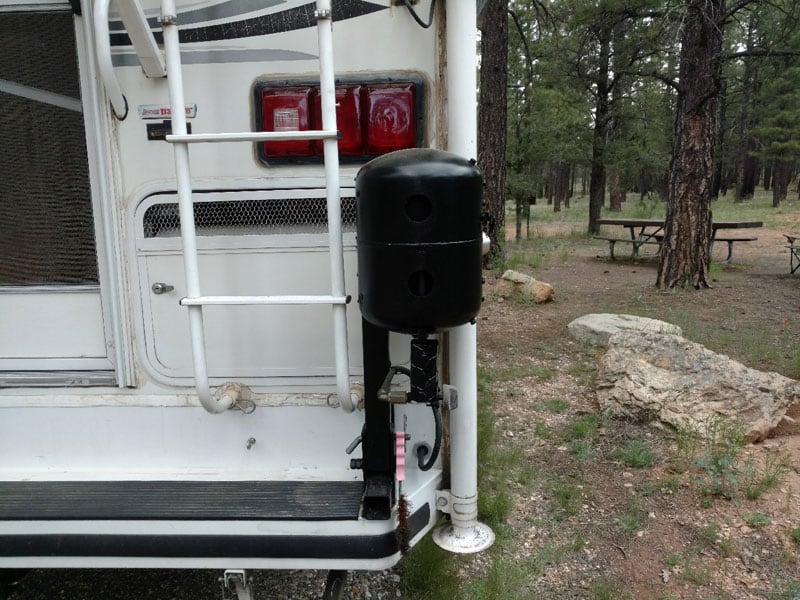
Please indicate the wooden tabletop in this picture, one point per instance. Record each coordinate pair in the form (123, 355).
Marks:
(629, 222)
(626, 222)
(736, 224)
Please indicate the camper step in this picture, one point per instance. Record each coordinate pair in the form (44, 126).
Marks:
(180, 500)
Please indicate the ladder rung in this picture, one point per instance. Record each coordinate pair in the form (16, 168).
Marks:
(253, 136)
(255, 300)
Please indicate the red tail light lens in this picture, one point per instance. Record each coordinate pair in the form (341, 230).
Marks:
(390, 118)
(372, 118)
(287, 109)
(348, 120)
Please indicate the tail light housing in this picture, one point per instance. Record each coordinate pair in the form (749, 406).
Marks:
(288, 109)
(373, 118)
(391, 123)
(349, 120)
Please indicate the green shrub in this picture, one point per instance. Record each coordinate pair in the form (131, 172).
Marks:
(636, 454)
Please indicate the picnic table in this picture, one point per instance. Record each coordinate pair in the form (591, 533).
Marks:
(651, 231)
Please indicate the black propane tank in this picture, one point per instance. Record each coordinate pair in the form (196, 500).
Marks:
(419, 240)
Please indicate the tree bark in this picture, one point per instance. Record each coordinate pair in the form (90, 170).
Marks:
(597, 175)
(492, 109)
(685, 250)
(616, 193)
(745, 164)
(781, 175)
(719, 163)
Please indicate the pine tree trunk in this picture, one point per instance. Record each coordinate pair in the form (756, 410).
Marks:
(685, 251)
(716, 183)
(781, 174)
(492, 121)
(744, 162)
(768, 165)
(597, 177)
(616, 195)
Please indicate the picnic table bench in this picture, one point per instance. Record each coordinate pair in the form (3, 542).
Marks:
(635, 243)
(731, 241)
(651, 232)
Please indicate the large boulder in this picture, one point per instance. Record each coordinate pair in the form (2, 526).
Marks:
(514, 282)
(599, 327)
(646, 375)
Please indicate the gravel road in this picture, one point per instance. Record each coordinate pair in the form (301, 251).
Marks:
(112, 584)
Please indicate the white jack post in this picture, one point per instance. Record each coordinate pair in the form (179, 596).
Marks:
(464, 534)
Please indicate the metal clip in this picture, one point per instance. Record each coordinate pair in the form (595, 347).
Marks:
(240, 396)
(449, 397)
(235, 581)
(353, 445)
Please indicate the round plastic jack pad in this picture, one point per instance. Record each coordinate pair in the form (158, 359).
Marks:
(464, 540)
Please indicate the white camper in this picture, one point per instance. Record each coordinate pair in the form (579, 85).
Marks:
(218, 348)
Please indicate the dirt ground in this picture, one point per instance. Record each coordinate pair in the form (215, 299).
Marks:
(593, 527)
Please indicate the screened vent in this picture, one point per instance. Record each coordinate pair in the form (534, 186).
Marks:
(273, 216)
(46, 227)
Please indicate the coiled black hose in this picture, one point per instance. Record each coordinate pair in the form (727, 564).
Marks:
(422, 451)
(414, 14)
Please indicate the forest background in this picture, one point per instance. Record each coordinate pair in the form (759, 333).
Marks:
(686, 100)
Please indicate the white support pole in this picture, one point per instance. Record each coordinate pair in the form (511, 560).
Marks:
(464, 533)
(330, 150)
(169, 24)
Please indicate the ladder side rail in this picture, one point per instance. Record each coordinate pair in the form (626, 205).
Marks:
(119, 104)
(331, 157)
(169, 23)
(144, 44)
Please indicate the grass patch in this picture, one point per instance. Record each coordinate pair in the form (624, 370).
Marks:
(555, 405)
(585, 427)
(636, 454)
(788, 590)
(429, 573)
(794, 534)
(542, 430)
(709, 534)
(696, 574)
(718, 460)
(685, 451)
(522, 371)
(629, 523)
(673, 559)
(757, 520)
(585, 372)
(609, 590)
(581, 433)
(566, 500)
(755, 481)
(504, 581)
(549, 555)
(581, 449)
(717, 467)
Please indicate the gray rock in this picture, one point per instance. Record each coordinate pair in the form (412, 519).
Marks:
(598, 328)
(516, 282)
(646, 375)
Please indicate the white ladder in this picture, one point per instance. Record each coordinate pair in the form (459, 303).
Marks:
(180, 139)
(194, 300)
